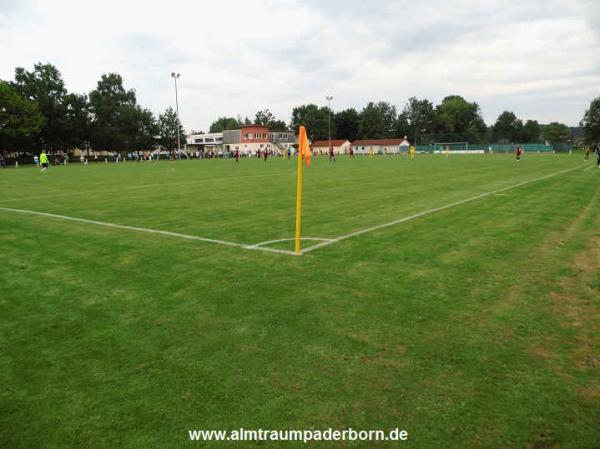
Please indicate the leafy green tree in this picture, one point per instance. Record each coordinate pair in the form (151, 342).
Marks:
(417, 117)
(266, 118)
(556, 133)
(532, 132)
(591, 122)
(461, 119)
(77, 121)
(224, 123)
(345, 123)
(314, 118)
(20, 118)
(508, 128)
(45, 86)
(377, 121)
(168, 125)
(146, 130)
(115, 114)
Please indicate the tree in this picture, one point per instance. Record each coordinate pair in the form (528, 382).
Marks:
(45, 86)
(346, 124)
(377, 121)
(460, 120)
(532, 132)
(591, 122)
(115, 114)
(266, 118)
(223, 124)
(168, 125)
(556, 133)
(508, 128)
(417, 117)
(147, 130)
(77, 121)
(20, 119)
(314, 118)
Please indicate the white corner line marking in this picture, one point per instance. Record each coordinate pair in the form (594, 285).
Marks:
(145, 230)
(429, 211)
(268, 242)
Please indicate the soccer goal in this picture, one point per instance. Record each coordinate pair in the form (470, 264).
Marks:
(451, 147)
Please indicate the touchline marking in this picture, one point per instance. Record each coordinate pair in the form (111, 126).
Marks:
(427, 212)
(586, 169)
(146, 230)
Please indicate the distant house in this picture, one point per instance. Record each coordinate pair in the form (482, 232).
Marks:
(203, 142)
(339, 146)
(248, 139)
(380, 146)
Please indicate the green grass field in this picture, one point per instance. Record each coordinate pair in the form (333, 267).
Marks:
(473, 326)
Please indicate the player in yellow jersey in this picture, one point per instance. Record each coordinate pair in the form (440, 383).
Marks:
(412, 151)
(44, 161)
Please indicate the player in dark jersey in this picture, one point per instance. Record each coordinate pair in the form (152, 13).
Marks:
(518, 152)
(331, 154)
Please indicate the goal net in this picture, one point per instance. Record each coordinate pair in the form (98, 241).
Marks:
(456, 147)
(452, 147)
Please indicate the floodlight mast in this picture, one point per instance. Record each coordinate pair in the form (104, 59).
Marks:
(329, 98)
(175, 76)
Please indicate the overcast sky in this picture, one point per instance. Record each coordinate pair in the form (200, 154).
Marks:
(540, 59)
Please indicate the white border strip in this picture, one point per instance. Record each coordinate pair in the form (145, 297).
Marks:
(430, 211)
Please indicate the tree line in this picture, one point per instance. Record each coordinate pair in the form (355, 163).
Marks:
(454, 119)
(36, 110)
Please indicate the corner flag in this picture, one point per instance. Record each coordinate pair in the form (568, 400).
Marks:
(303, 153)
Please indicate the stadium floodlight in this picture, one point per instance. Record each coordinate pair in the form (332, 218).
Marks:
(175, 76)
(329, 98)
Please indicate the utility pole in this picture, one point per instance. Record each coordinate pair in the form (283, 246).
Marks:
(175, 76)
(329, 98)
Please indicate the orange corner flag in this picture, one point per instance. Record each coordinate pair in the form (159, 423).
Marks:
(304, 147)
(303, 153)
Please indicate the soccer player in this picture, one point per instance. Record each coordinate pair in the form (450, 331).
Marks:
(36, 160)
(351, 153)
(371, 152)
(412, 151)
(331, 154)
(518, 152)
(598, 154)
(237, 155)
(265, 155)
(44, 161)
(587, 154)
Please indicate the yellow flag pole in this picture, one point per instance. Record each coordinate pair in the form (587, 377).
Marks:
(298, 203)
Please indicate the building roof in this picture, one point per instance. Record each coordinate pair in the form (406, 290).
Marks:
(325, 143)
(377, 142)
(254, 126)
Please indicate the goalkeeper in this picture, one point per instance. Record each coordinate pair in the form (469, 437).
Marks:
(44, 161)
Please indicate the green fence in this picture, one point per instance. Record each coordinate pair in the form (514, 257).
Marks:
(491, 148)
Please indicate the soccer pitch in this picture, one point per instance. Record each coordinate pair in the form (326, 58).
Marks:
(456, 298)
